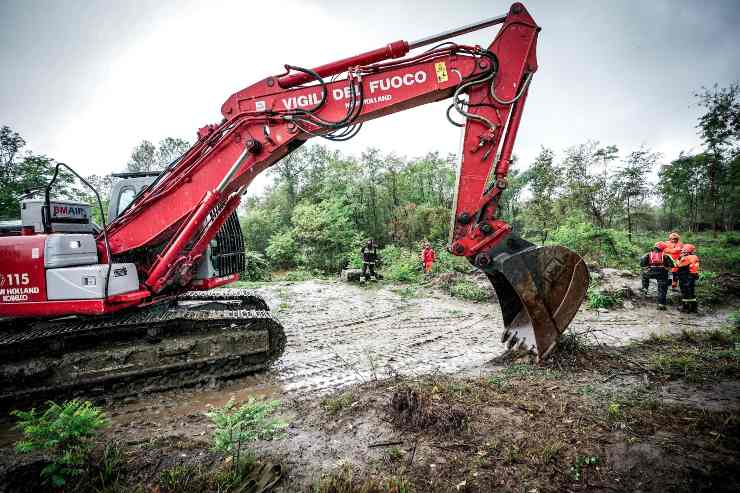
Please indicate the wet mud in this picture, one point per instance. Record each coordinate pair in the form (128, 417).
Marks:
(340, 335)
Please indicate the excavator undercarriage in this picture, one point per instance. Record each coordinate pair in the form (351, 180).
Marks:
(197, 338)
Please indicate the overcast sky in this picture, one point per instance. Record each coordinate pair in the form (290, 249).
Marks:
(84, 82)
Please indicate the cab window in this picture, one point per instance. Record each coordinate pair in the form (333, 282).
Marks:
(124, 199)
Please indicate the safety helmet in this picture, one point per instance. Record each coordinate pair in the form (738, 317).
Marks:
(688, 249)
(674, 236)
(660, 246)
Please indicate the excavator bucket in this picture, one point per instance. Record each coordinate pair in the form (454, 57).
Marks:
(539, 289)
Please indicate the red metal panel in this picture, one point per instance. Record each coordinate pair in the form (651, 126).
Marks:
(213, 282)
(22, 274)
(49, 309)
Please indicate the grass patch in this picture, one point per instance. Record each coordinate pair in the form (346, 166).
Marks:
(405, 292)
(337, 404)
(468, 290)
(344, 480)
(596, 298)
(696, 356)
(183, 478)
(298, 276)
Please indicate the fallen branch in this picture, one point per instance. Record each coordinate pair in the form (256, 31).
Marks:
(386, 444)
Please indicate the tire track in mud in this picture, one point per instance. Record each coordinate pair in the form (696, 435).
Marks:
(336, 341)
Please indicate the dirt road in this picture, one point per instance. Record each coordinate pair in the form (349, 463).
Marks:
(340, 334)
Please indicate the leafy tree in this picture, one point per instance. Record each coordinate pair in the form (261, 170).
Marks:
(543, 183)
(632, 183)
(170, 148)
(683, 186)
(24, 172)
(324, 234)
(143, 158)
(586, 188)
(148, 157)
(719, 128)
(283, 250)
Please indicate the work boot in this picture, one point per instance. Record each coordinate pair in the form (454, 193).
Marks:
(661, 307)
(373, 278)
(362, 279)
(693, 307)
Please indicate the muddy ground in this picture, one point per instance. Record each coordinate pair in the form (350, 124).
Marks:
(392, 387)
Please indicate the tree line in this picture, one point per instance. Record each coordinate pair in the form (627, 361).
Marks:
(322, 204)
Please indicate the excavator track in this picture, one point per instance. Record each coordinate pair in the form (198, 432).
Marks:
(246, 298)
(197, 339)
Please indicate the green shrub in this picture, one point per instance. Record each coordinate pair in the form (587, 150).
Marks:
(257, 268)
(237, 425)
(603, 246)
(400, 264)
(65, 432)
(325, 234)
(282, 250)
(468, 290)
(446, 262)
(597, 298)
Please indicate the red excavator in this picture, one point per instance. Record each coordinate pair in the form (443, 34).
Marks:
(129, 306)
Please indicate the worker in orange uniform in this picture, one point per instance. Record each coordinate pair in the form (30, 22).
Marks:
(655, 265)
(673, 248)
(428, 256)
(688, 273)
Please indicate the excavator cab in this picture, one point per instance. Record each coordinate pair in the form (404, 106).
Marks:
(539, 290)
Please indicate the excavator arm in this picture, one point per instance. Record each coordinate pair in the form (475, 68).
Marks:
(169, 226)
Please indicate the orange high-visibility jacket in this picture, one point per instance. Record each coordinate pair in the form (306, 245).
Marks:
(690, 261)
(674, 250)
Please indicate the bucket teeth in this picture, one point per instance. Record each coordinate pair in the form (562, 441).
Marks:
(539, 290)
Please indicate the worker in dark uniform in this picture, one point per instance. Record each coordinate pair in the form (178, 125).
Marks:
(688, 273)
(655, 265)
(369, 259)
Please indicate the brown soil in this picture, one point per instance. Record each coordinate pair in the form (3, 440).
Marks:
(402, 390)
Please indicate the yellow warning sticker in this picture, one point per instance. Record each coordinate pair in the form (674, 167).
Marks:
(441, 70)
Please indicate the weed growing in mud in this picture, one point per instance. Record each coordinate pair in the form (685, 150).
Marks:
(65, 432)
(336, 404)
(697, 356)
(550, 452)
(182, 478)
(109, 467)
(468, 290)
(395, 454)
(301, 275)
(343, 480)
(405, 292)
(578, 468)
(239, 425)
(601, 299)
